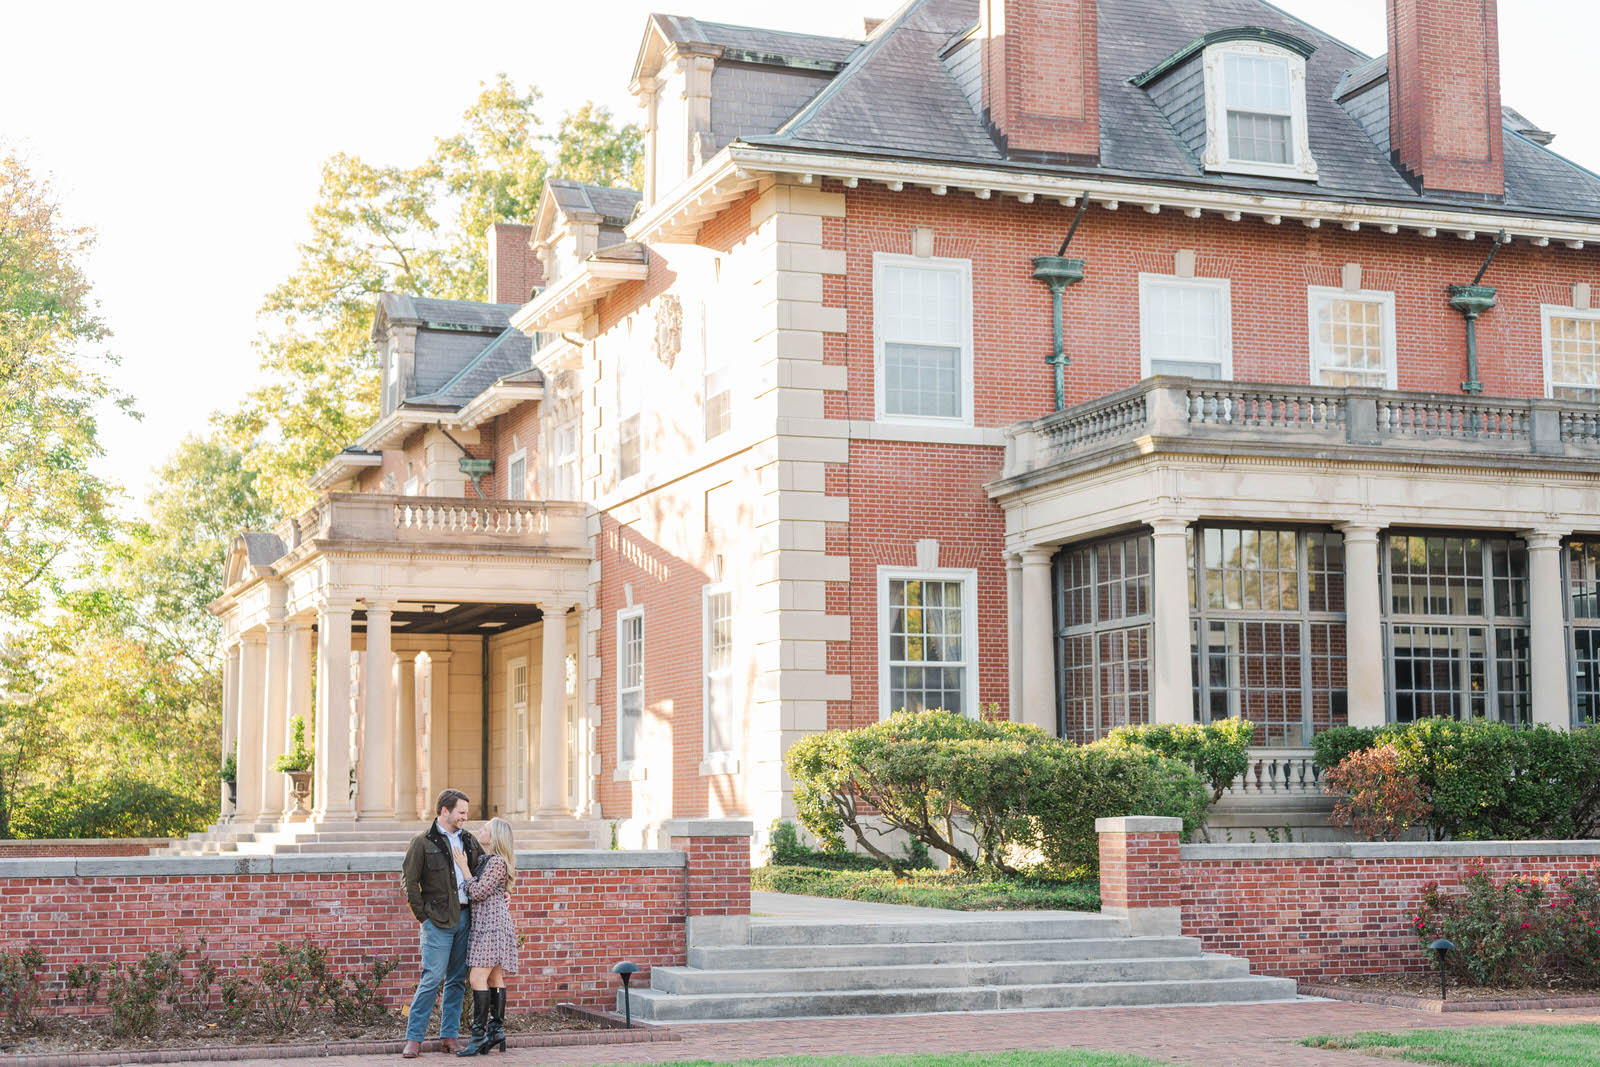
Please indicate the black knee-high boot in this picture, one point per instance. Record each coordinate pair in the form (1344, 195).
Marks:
(496, 1035)
(481, 999)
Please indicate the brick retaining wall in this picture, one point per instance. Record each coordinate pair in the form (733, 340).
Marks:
(1311, 911)
(578, 912)
(98, 846)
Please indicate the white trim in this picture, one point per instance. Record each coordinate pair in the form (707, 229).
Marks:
(629, 770)
(707, 591)
(928, 434)
(1546, 313)
(968, 576)
(520, 793)
(411, 487)
(520, 455)
(1222, 286)
(1381, 297)
(1218, 152)
(962, 268)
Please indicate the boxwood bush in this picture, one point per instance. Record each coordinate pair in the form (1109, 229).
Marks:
(1218, 751)
(984, 793)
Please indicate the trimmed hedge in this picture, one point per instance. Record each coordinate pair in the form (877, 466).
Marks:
(1218, 751)
(1010, 790)
(1488, 780)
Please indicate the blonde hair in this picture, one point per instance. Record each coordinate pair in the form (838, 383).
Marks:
(502, 845)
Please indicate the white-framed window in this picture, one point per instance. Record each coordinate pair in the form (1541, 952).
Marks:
(927, 639)
(1256, 111)
(630, 685)
(411, 487)
(565, 461)
(517, 732)
(1571, 353)
(517, 475)
(716, 397)
(1185, 326)
(922, 332)
(720, 714)
(630, 405)
(1352, 337)
(392, 396)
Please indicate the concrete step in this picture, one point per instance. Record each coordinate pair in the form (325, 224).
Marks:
(688, 981)
(1010, 928)
(750, 957)
(655, 1005)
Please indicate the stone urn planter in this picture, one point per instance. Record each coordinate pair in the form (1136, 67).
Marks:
(299, 797)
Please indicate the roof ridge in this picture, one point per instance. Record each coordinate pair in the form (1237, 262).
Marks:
(857, 60)
(466, 368)
(785, 33)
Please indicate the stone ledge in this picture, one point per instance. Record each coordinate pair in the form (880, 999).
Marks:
(1138, 824)
(341, 863)
(1364, 850)
(708, 828)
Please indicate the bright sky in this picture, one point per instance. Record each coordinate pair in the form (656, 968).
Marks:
(191, 136)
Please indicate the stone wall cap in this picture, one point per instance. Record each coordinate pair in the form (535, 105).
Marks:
(607, 859)
(44, 867)
(1382, 850)
(1138, 824)
(708, 828)
(315, 863)
(144, 866)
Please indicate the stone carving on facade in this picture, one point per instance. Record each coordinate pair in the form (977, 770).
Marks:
(669, 329)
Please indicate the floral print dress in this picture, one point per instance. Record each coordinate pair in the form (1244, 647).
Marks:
(492, 941)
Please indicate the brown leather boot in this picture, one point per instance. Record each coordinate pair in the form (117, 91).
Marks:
(412, 1050)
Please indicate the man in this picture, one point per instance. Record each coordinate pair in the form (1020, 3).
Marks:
(436, 890)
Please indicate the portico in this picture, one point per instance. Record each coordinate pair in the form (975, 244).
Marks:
(427, 642)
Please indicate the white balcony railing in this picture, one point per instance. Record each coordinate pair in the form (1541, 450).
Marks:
(376, 518)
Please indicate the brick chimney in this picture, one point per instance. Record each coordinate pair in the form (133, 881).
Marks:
(1041, 78)
(1444, 94)
(514, 270)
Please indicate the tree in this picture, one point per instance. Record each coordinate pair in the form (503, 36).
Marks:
(417, 230)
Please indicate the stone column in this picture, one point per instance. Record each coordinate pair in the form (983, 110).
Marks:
(299, 696)
(376, 798)
(1014, 667)
(553, 712)
(230, 722)
(1363, 641)
(1547, 631)
(1038, 688)
(252, 707)
(405, 735)
(275, 721)
(332, 778)
(1171, 679)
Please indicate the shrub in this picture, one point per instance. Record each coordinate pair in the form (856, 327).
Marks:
(786, 849)
(1218, 751)
(1333, 745)
(358, 997)
(119, 805)
(293, 979)
(1578, 918)
(1505, 933)
(297, 757)
(1378, 800)
(136, 993)
(19, 987)
(943, 779)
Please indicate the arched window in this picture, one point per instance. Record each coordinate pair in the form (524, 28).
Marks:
(1256, 110)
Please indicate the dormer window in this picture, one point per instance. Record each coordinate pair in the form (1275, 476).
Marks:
(1256, 110)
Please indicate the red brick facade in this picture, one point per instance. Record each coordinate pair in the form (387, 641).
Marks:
(1041, 75)
(1444, 93)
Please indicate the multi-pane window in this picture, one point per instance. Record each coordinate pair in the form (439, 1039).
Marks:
(629, 458)
(630, 685)
(923, 317)
(1572, 354)
(517, 748)
(1352, 338)
(1456, 621)
(1582, 569)
(1268, 639)
(517, 476)
(717, 380)
(630, 402)
(928, 654)
(564, 462)
(1256, 93)
(719, 726)
(1103, 614)
(1185, 326)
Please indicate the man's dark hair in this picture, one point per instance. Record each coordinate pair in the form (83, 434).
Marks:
(448, 800)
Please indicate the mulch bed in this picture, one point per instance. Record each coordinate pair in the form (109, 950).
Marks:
(86, 1041)
(1420, 992)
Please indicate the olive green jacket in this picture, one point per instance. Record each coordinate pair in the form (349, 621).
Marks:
(428, 873)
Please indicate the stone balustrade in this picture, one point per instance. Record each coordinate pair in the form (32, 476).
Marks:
(459, 521)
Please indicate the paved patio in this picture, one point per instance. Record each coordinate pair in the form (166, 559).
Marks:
(1255, 1035)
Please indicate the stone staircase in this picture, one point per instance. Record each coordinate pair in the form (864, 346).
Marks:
(364, 835)
(964, 962)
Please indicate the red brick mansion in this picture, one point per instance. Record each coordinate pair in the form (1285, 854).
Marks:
(1086, 362)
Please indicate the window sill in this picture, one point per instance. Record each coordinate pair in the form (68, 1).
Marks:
(719, 763)
(1265, 170)
(629, 772)
(928, 432)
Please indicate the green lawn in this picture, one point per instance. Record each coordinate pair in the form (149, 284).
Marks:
(930, 889)
(1478, 1046)
(1051, 1058)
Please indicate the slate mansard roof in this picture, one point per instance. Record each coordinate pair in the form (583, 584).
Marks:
(463, 347)
(901, 94)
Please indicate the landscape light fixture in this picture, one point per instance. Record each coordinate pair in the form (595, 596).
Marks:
(625, 971)
(1440, 947)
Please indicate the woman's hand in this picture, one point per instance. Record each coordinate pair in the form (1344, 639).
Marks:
(460, 857)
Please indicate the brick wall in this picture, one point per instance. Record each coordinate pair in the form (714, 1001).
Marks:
(105, 846)
(576, 916)
(1315, 910)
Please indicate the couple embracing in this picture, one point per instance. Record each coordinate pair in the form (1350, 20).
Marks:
(458, 886)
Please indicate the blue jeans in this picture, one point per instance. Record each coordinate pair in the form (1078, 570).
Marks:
(444, 961)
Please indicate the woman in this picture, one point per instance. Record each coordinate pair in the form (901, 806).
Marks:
(492, 944)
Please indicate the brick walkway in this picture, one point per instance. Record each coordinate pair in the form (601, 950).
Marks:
(1255, 1035)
